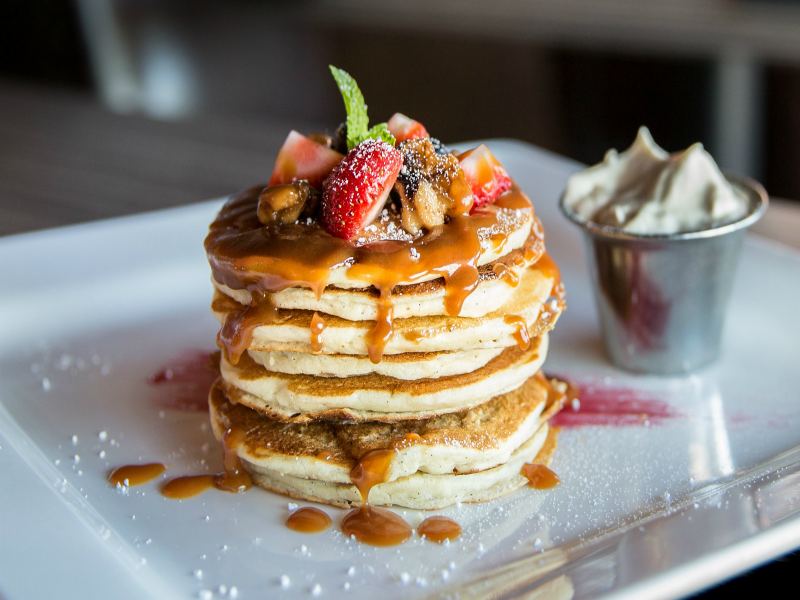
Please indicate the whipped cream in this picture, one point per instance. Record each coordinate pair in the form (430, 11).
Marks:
(646, 190)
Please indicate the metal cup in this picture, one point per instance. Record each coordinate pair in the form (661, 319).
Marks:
(662, 298)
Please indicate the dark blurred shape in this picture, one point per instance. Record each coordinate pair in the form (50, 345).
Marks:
(782, 173)
(41, 41)
(458, 87)
(606, 97)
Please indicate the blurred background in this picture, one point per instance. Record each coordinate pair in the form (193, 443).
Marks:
(227, 79)
(110, 107)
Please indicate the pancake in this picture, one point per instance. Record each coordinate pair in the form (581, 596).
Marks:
(468, 456)
(291, 329)
(242, 252)
(496, 284)
(409, 366)
(301, 398)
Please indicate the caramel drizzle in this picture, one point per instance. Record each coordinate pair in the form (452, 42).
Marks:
(233, 479)
(236, 333)
(521, 335)
(439, 529)
(243, 254)
(376, 526)
(317, 327)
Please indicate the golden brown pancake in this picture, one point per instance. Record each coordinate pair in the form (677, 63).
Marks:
(467, 456)
(302, 398)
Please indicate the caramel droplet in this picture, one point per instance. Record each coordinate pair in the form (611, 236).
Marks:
(521, 335)
(539, 477)
(317, 327)
(130, 475)
(439, 529)
(308, 520)
(182, 488)
(376, 526)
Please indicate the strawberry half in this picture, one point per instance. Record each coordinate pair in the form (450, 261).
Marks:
(302, 158)
(404, 129)
(358, 187)
(485, 175)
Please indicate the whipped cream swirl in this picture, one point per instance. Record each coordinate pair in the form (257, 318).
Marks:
(646, 190)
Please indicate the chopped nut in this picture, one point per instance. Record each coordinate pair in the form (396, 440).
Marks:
(287, 202)
(431, 186)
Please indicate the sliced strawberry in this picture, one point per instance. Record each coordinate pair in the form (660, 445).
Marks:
(485, 175)
(403, 128)
(358, 187)
(302, 158)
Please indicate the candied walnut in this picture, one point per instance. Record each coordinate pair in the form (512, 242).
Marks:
(431, 186)
(287, 202)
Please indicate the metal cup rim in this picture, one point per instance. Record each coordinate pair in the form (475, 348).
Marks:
(757, 195)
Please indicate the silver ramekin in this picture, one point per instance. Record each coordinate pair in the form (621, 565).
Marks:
(662, 298)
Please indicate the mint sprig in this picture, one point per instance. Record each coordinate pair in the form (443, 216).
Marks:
(357, 120)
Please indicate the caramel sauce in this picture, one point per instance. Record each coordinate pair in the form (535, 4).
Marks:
(439, 529)
(308, 520)
(506, 274)
(131, 475)
(265, 260)
(233, 479)
(521, 335)
(539, 477)
(237, 330)
(548, 267)
(370, 470)
(324, 455)
(374, 526)
(181, 488)
(499, 241)
(556, 396)
(317, 327)
(417, 334)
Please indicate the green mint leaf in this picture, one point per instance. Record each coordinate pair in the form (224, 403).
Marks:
(381, 132)
(355, 106)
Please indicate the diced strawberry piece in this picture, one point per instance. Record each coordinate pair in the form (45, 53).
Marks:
(485, 175)
(358, 187)
(404, 129)
(302, 158)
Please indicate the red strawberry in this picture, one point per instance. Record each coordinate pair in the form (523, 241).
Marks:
(485, 175)
(403, 128)
(358, 187)
(301, 158)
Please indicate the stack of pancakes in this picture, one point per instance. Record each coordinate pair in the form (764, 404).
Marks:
(437, 357)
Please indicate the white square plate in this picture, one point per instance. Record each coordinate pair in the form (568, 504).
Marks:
(657, 508)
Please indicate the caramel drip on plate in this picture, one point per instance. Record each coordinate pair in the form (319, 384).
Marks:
(233, 479)
(308, 520)
(370, 525)
(265, 260)
(539, 477)
(130, 475)
(181, 488)
(438, 529)
(521, 335)
(317, 327)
